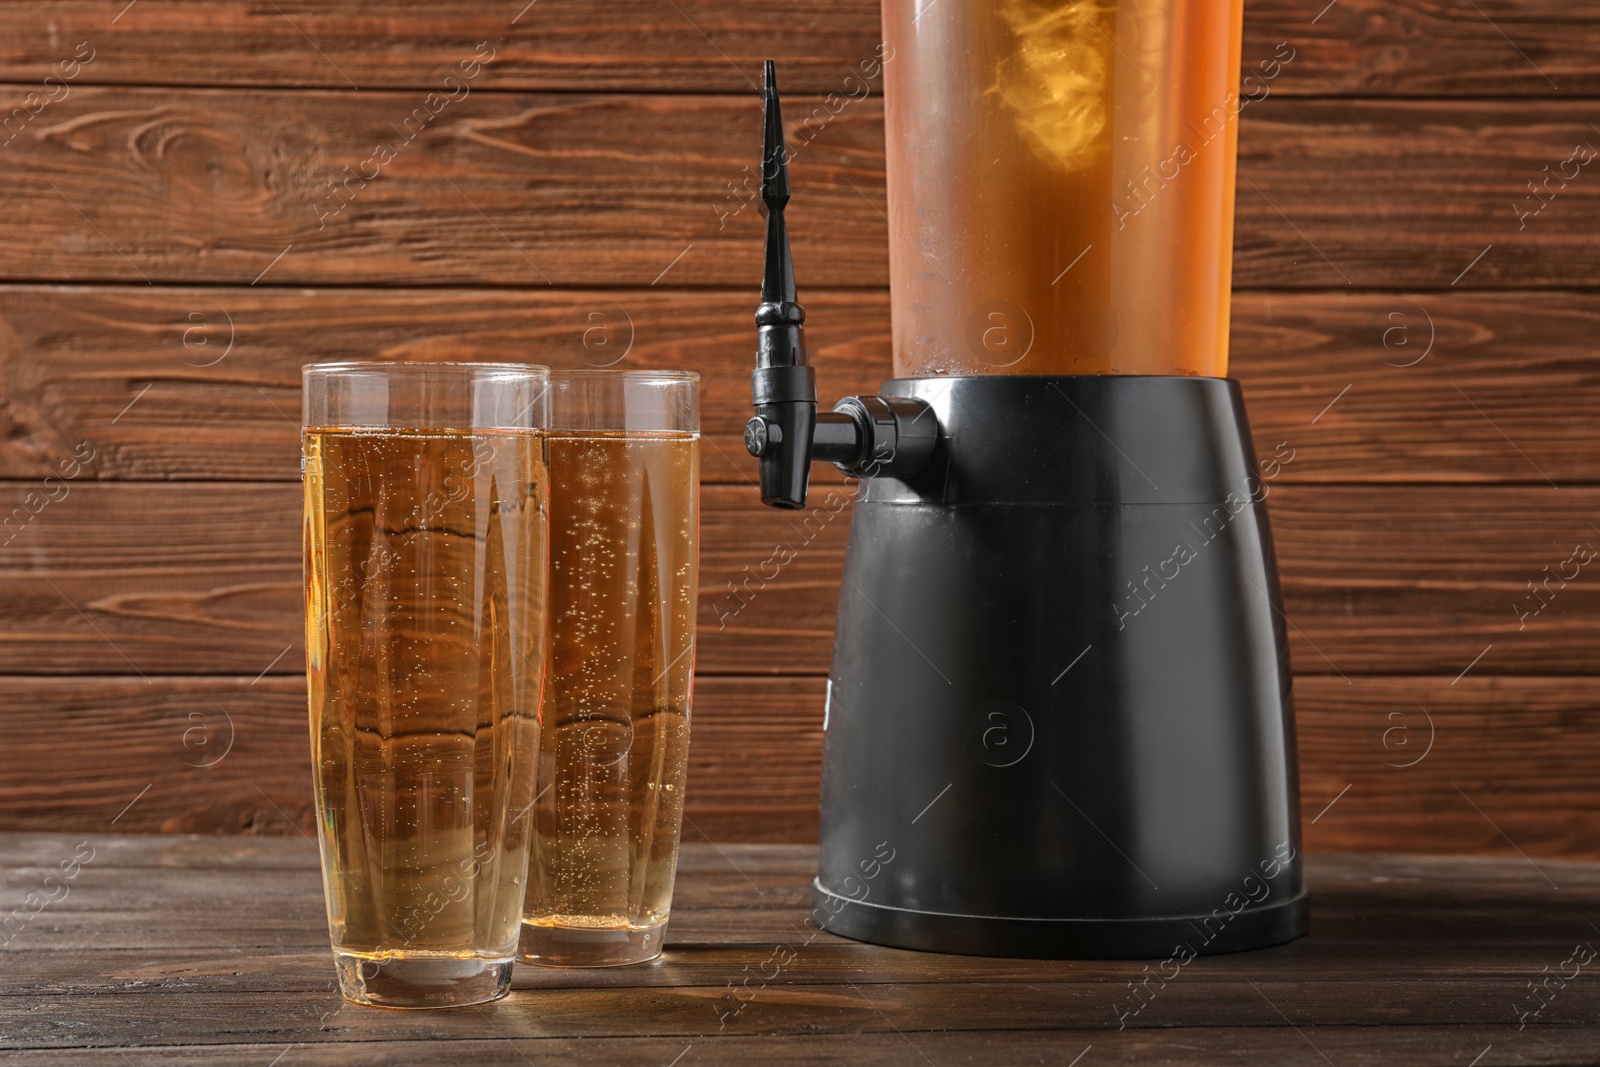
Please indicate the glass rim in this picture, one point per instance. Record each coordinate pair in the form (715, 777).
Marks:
(423, 395)
(486, 369)
(607, 400)
(664, 376)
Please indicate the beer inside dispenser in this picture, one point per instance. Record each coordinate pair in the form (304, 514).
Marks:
(1059, 713)
(1061, 184)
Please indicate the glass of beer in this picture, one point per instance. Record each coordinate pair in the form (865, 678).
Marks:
(426, 556)
(624, 457)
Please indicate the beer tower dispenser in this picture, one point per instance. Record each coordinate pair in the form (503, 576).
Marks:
(1058, 720)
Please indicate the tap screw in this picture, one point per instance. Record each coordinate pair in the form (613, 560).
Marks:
(762, 436)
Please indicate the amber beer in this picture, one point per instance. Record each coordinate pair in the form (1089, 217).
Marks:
(1061, 183)
(624, 544)
(425, 565)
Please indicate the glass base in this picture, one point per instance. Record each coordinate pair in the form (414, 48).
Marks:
(421, 981)
(589, 946)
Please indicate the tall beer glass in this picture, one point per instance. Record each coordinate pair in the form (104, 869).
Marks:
(624, 455)
(425, 551)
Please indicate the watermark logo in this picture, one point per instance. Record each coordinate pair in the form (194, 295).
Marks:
(1397, 738)
(605, 336)
(746, 191)
(52, 90)
(1141, 190)
(456, 87)
(52, 490)
(1542, 595)
(1397, 337)
(1006, 733)
(209, 750)
(1143, 592)
(1543, 194)
(1549, 983)
(197, 341)
(1000, 333)
(55, 888)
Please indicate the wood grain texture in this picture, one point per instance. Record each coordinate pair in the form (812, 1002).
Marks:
(1401, 194)
(509, 189)
(558, 45)
(1177, 1046)
(232, 756)
(1495, 48)
(1422, 387)
(145, 955)
(1394, 47)
(1484, 764)
(732, 891)
(223, 365)
(195, 578)
(495, 189)
(797, 1010)
(1429, 387)
(198, 578)
(1488, 765)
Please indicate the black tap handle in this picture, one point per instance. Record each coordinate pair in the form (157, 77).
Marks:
(784, 387)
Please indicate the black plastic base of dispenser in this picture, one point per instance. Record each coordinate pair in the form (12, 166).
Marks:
(1059, 716)
(1178, 937)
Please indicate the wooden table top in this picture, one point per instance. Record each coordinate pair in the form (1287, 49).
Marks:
(213, 950)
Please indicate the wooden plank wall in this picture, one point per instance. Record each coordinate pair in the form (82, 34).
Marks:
(181, 233)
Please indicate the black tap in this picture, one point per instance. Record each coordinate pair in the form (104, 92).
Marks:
(865, 436)
(784, 386)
